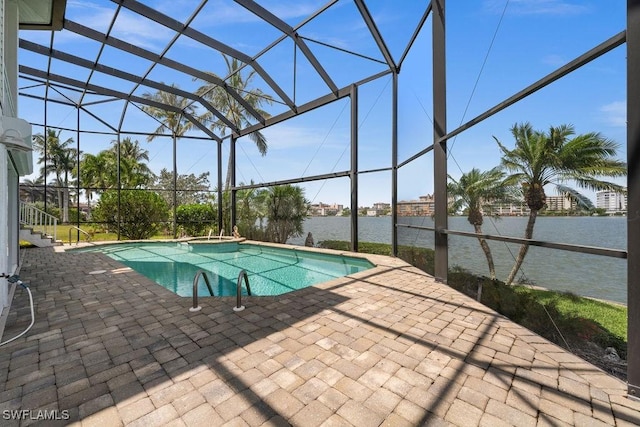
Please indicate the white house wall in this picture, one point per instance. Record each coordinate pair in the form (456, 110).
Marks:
(4, 227)
(9, 176)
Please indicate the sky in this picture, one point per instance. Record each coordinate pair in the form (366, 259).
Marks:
(495, 48)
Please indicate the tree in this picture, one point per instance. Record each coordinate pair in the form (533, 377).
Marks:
(145, 212)
(176, 122)
(474, 191)
(32, 190)
(60, 159)
(134, 171)
(99, 172)
(286, 210)
(233, 110)
(196, 219)
(191, 189)
(94, 176)
(252, 212)
(556, 158)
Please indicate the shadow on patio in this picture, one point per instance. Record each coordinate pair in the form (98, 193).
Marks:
(385, 346)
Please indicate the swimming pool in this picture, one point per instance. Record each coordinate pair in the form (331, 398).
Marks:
(271, 270)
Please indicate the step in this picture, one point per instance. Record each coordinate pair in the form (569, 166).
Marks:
(37, 238)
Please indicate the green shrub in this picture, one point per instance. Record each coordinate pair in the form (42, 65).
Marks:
(196, 219)
(142, 212)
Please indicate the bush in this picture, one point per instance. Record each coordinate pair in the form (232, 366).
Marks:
(196, 219)
(142, 212)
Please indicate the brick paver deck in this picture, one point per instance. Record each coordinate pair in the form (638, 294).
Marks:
(388, 346)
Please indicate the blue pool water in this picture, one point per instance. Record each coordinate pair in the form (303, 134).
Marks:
(271, 271)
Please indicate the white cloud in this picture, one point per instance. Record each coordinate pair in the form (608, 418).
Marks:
(140, 31)
(538, 7)
(615, 113)
(554, 60)
(224, 13)
(129, 26)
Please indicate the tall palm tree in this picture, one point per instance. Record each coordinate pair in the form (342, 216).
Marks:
(474, 191)
(130, 149)
(58, 158)
(33, 189)
(557, 158)
(97, 174)
(234, 111)
(174, 122)
(134, 172)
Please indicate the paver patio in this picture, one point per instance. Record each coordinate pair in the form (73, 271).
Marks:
(388, 346)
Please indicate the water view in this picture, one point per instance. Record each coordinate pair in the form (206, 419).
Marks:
(583, 274)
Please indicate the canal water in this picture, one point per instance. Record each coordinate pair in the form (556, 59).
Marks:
(583, 274)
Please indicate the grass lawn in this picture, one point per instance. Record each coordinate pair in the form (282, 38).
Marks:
(63, 235)
(612, 316)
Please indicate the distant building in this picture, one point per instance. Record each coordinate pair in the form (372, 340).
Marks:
(611, 201)
(509, 209)
(561, 203)
(322, 209)
(424, 206)
(379, 208)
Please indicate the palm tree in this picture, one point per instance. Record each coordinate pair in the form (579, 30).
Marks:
(134, 172)
(286, 209)
(251, 211)
(233, 110)
(556, 158)
(474, 191)
(175, 122)
(33, 189)
(60, 159)
(97, 174)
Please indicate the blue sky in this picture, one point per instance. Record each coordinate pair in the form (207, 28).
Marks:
(494, 49)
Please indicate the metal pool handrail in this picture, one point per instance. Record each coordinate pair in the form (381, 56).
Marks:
(239, 306)
(81, 231)
(202, 273)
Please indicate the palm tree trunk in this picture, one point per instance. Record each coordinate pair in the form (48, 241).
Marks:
(528, 234)
(487, 252)
(65, 200)
(88, 205)
(227, 190)
(65, 205)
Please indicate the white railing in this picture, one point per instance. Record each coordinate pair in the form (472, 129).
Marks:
(39, 220)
